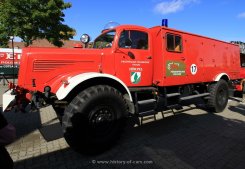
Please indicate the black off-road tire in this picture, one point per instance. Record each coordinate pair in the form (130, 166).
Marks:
(219, 95)
(94, 119)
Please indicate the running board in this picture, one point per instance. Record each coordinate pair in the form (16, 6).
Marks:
(172, 95)
(194, 96)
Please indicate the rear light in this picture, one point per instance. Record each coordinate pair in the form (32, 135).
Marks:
(28, 96)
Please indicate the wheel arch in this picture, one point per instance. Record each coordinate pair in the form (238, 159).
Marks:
(223, 76)
(83, 81)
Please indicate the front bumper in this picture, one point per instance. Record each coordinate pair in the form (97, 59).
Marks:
(9, 99)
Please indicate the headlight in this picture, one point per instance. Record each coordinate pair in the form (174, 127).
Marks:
(85, 38)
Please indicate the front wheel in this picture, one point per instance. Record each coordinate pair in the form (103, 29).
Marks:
(219, 94)
(94, 119)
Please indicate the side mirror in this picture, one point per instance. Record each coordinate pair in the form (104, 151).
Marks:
(85, 38)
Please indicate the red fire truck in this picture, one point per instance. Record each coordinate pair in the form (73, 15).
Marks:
(129, 71)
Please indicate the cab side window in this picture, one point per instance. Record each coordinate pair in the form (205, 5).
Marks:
(133, 40)
(174, 43)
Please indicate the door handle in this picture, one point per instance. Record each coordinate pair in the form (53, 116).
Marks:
(131, 55)
(149, 57)
(182, 58)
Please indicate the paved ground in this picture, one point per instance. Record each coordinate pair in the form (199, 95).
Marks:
(191, 140)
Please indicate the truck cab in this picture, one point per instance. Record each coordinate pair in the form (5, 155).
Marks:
(127, 54)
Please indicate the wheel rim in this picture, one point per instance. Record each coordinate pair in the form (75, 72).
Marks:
(102, 120)
(221, 97)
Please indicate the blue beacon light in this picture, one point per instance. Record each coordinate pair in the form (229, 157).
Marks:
(165, 22)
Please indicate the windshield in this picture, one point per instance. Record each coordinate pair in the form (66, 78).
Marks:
(105, 40)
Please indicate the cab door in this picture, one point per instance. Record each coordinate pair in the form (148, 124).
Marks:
(133, 58)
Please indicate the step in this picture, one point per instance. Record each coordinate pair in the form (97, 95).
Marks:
(172, 95)
(139, 89)
(194, 96)
(147, 113)
(175, 106)
(144, 102)
(146, 105)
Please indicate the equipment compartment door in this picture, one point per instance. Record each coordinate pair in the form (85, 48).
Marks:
(183, 61)
(175, 68)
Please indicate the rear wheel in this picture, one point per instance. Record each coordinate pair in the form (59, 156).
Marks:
(94, 119)
(219, 94)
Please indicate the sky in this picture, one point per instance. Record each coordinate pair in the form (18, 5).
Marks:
(219, 19)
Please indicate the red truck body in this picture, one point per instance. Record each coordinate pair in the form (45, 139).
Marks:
(210, 58)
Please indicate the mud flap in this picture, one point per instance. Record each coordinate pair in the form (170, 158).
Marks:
(8, 100)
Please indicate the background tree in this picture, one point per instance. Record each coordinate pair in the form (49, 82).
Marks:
(34, 19)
